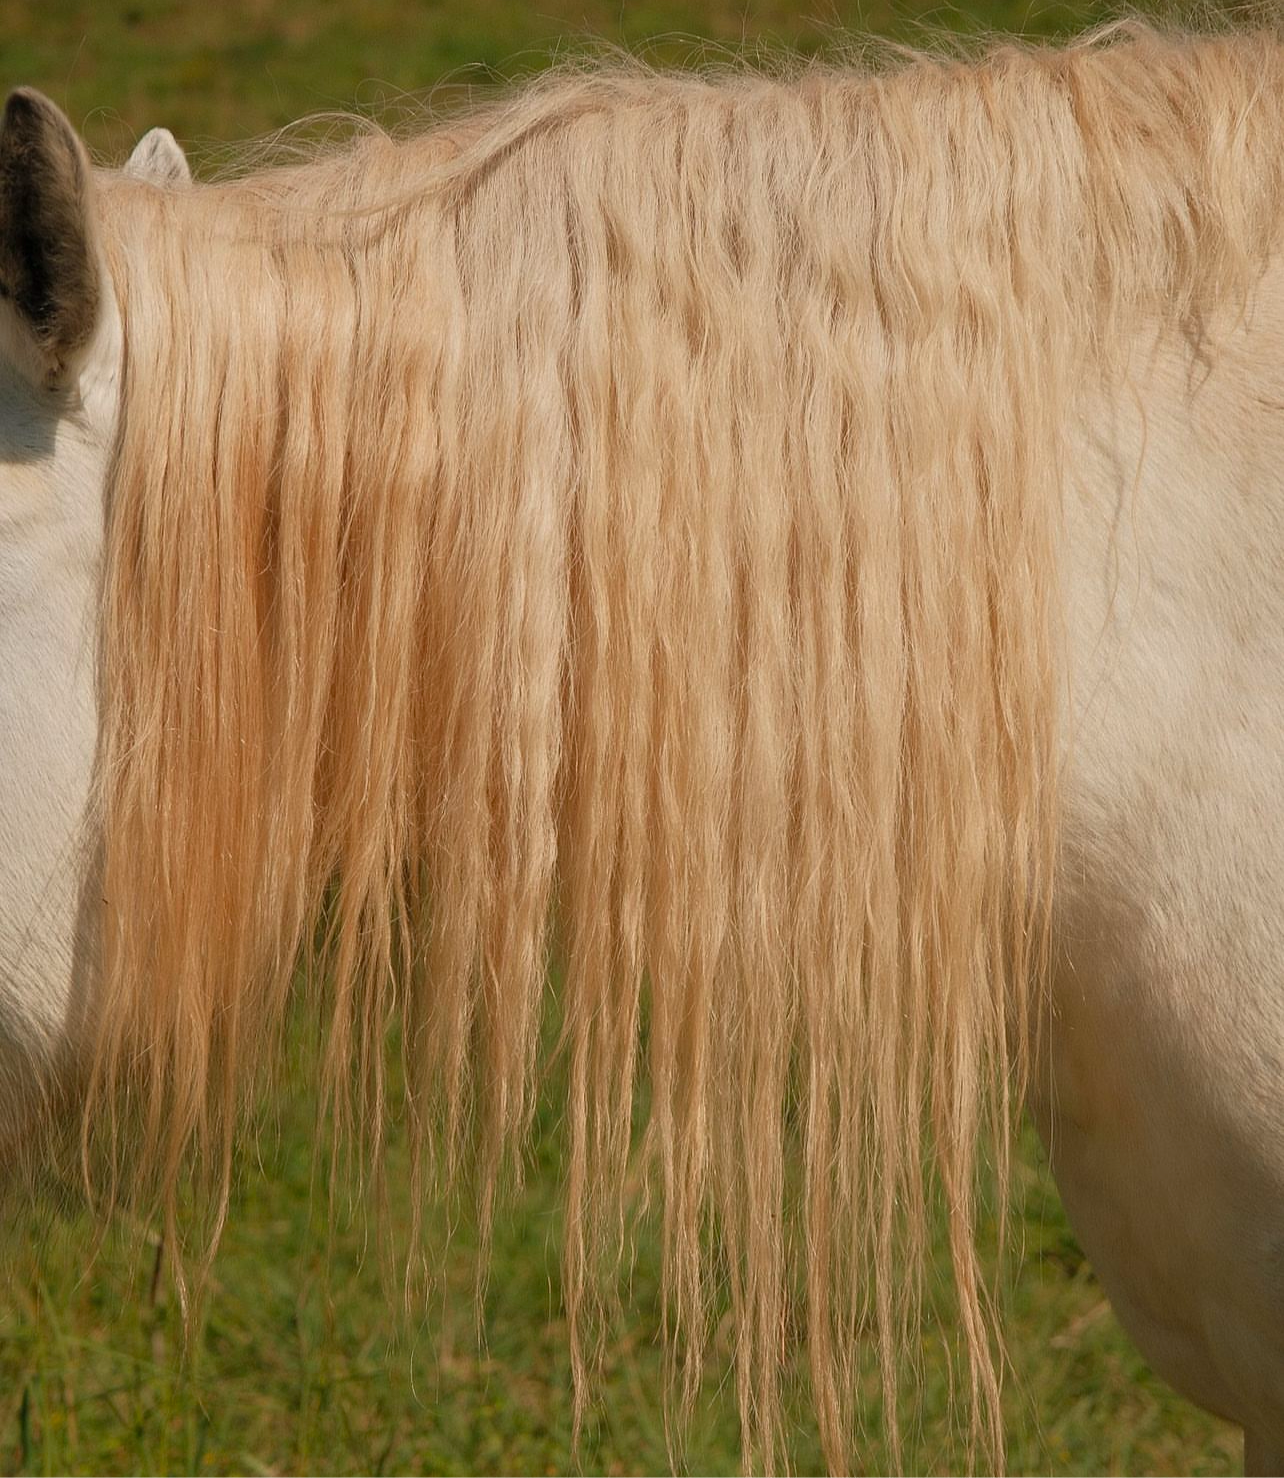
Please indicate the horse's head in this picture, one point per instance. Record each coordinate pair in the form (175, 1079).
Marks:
(60, 353)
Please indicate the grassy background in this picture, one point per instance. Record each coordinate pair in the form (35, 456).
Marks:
(223, 69)
(298, 1363)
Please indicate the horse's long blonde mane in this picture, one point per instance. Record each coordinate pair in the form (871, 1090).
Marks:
(618, 528)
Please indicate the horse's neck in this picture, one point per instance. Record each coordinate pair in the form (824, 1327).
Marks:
(1174, 548)
(1174, 794)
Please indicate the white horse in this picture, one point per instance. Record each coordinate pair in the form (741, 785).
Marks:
(1103, 225)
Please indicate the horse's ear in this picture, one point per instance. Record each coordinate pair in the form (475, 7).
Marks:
(158, 158)
(49, 270)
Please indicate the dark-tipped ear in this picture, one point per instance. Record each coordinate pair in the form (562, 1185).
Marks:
(48, 262)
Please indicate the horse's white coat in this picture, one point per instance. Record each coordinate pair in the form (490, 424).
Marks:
(54, 449)
(54, 446)
(1165, 1115)
(1165, 1109)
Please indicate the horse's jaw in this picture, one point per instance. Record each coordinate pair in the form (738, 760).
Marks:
(54, 452)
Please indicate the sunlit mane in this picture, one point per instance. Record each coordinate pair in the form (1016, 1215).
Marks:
(618, 529)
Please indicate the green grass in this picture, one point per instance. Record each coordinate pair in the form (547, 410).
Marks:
(230, 68)
(299, 1363)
